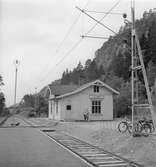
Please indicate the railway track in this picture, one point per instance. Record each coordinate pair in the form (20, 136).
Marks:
(95, 156)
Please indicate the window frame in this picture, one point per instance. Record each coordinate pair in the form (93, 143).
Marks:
(96, 89)
(69, 107)
(96, 106)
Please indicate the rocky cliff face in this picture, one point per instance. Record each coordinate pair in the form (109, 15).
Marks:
(111, 48)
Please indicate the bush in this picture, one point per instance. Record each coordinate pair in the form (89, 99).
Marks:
(32, 113)
(122, 102)
(18, 111)
(5, 112)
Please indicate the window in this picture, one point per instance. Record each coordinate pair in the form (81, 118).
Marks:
(96, 88)
(68, 107)
(96, 106)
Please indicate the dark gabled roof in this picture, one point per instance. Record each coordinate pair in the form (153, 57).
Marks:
(62, 89)
(78, 89)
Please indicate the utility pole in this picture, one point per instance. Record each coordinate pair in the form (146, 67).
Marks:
(135, 66)
(16, 63)
(132, 60)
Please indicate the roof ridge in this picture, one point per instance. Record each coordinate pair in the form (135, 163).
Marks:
(86, 86)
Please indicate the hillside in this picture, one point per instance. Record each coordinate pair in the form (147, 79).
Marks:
(112, 62)
(146, 30)
(115, 52)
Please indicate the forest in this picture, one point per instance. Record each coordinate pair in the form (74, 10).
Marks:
(3, 110)
(112, 64)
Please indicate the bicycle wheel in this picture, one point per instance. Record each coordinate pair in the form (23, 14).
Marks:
(130, 128)
(151, 125)
(146, 128)
(138, 127)
(122, 127)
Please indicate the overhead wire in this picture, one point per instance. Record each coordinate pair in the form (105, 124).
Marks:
(96, 20)
(70, 28)
(102, 18)
(64, 39)
(93, 11)
(80, 40)
(66, 36)
(68, 32)
(66, 55)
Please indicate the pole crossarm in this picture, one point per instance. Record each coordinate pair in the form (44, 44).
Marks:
(83, 11)
(93, 11)
(141, 105)
(88, 36)
(137, 68)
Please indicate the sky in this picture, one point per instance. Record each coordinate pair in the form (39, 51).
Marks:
(36, 32)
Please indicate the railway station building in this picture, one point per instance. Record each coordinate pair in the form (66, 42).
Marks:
(70, 102)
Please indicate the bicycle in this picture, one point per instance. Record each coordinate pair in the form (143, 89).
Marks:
(152, 125)
(125, 126)
(145, 126)
(141, 126)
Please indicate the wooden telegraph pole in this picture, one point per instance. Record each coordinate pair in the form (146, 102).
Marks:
(16, 63)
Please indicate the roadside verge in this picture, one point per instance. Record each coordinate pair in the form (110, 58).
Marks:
(3, 120)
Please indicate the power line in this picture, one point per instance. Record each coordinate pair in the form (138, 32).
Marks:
(68, 53)
(102, 18)
(80, 40)
(89, 36)
(93, 11)
(65, 56)
(96, 20)
(70, 28)
(68, 32)
(65, 37)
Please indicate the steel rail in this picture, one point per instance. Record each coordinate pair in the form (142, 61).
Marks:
(94, 155)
